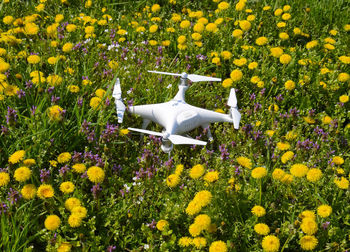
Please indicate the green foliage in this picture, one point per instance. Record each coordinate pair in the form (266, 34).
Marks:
(64, 115)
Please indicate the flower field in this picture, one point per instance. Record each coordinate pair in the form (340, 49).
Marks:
(73, 179)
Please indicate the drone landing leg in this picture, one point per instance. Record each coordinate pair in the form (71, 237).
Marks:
(210, 137)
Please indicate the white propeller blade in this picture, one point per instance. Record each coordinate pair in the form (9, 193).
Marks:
(177, 139)
(173, 74)
(191, 77)
(117, 95)
(120, 110)
(149, 132)
(197, 78)
(232, 99)
(117, 92)
(236, 117)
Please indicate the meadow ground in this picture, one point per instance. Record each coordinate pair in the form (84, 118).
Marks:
(73, 179)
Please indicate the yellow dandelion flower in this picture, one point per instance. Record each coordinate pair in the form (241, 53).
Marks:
(71, 203)
(309, 226)
(71, 27)
(278, 174)
(179, 169)
(270, 133)
(54, 80)
(307, 214)
(261, 41)
(236, 75)
(4, 178)
(261, 229)
(162, 224)
(73, 88)
(338, 160)
(276, 52)
(311, 44)
(28, 191)
(16, 157)
(185, 24)
(198, 27)
(285, 59)
(299, 170)
(226, 55)
(314, 174)
(74, 220)
(52, 222)
(199, 242)
(45, 191)
(29, 162)
(287, 156)
(253, 65)
(194, 230)
(211, 176)
(344, 98)
(96, 103)
(258, 211)
(245, 162)
(211, 27)
(343, 77)
(80, 211)
(173, 180)
(259, 172)
(185, 241)
(342, 183)
(65, 246)
(283, 146)
(155, 8)
(67, 47)
(324, 211)
(237, 33)
(95, 174)
(33, 59)
(203, 221)
(245, 25)
(286, 16)
(22, 174)
(308, 242)
(203, 198)
(193, 208)
(270, 243)
(240, 5)
(64, 157)
(218, 246)
(79, 168)
(67, 187)
(197, 171)
(278, 12)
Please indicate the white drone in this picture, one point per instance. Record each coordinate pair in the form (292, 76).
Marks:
(176, 116)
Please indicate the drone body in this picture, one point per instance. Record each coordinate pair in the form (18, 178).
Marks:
(176, 116)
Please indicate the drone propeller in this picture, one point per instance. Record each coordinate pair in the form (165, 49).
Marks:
(191, 77)
(236, 117)
(117, 94)
(149, 132)
(232, 102)
(175, 139)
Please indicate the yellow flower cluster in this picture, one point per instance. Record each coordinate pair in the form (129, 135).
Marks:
(200, 200)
